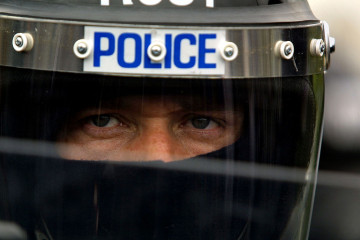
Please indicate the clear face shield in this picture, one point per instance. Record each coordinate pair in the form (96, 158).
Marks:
(124, 128)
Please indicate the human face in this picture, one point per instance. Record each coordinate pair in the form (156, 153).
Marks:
(144, 128)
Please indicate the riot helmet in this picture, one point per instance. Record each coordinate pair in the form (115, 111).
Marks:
(160, 119)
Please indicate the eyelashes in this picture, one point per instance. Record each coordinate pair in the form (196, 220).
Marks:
(195, 122)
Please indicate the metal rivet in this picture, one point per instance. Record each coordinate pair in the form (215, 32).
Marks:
(82, 48)
(229, 51)
(156, 51)
(23, 42)
(284, 49)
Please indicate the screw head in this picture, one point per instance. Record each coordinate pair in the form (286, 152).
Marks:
(317, 47)
(23, 42)
(229, 51)
(322, 47)
(82, 48)
(156, 50)
(284, 49)
(19, 41)
(288, 50)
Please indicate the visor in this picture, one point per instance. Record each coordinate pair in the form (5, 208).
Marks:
(223, 194)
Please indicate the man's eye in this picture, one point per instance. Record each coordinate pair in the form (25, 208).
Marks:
(104, 120)
(203, 123)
